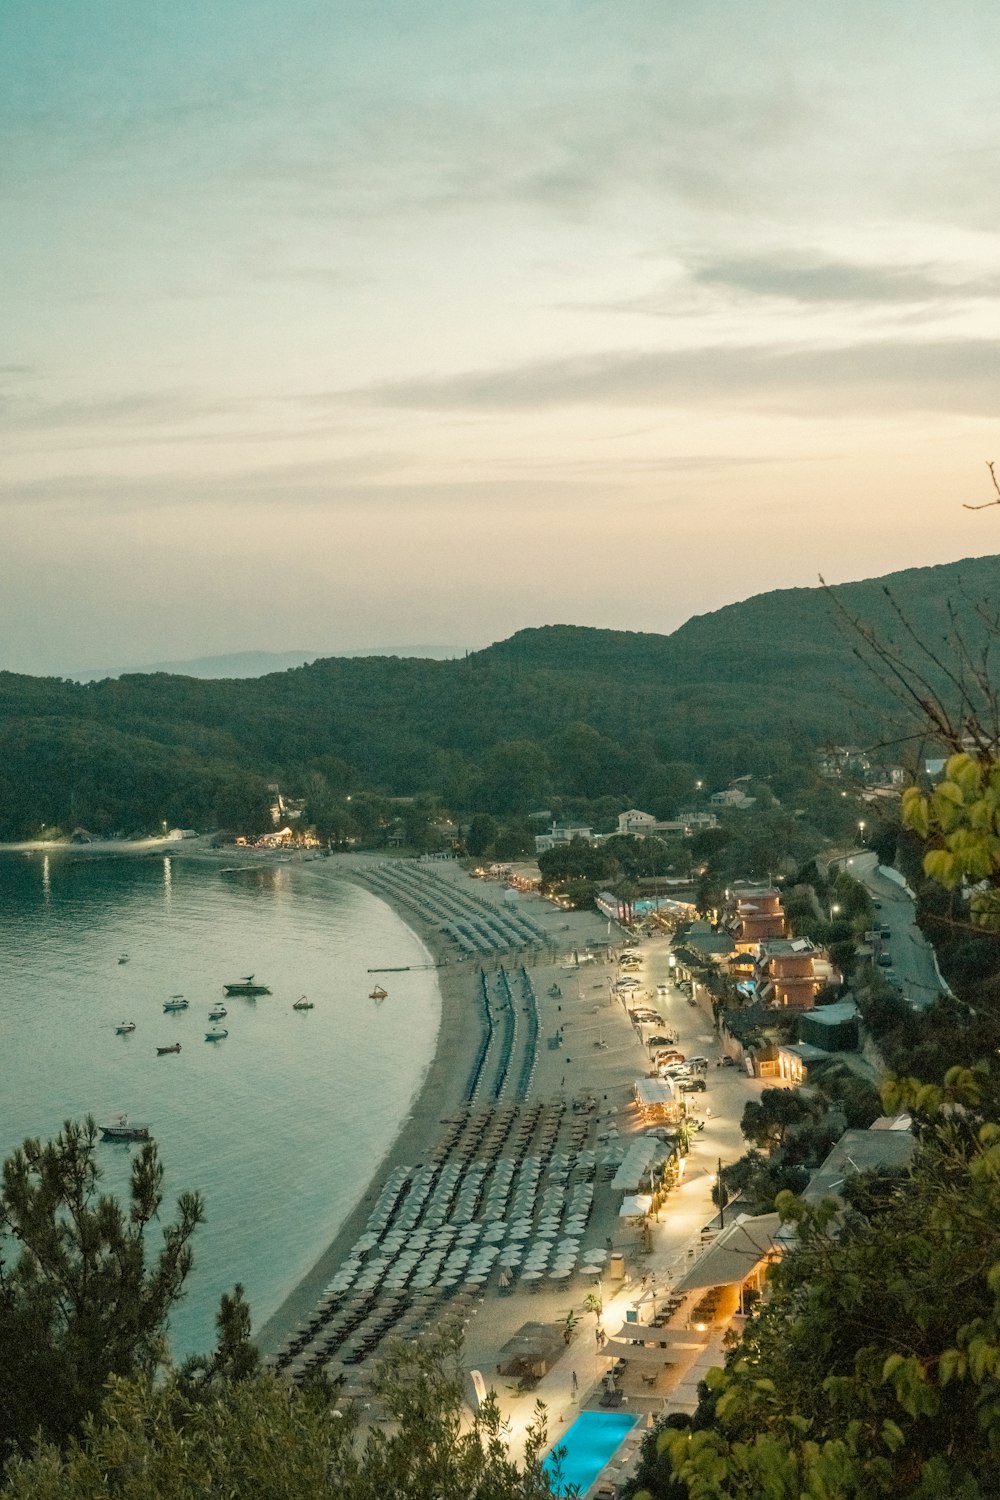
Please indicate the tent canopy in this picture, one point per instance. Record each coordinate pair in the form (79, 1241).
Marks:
(678, 1337)
(635, 1206)
(533, 1344)
(640, 1354)
(734, 1255)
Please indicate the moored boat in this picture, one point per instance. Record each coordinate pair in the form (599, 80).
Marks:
(378, 993)
(246, 986)
(217, 1012)
(303, 1004)
(162, 1051)
(122, 1130)
(176, 1002)
(123, 958)
(216, 1034)
(125, 1028)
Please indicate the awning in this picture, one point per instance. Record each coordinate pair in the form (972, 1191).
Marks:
(673, 1338)
(667, 1341)
(635, 1206)
(634, 1170)
(640, 1354)
(735, 1255)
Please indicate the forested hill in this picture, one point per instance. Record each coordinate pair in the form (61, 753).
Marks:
(561, 714)
(790, 634)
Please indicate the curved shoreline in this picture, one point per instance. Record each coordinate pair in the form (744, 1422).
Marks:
(441, 1091)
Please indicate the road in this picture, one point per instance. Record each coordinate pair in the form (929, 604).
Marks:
(912, 954)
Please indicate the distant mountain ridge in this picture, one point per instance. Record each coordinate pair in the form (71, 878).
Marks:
(243, 664)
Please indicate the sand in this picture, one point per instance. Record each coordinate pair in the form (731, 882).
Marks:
(599, 1058)
(443, 1089)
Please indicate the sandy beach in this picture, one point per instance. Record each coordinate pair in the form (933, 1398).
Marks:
(458, 1040)
(559, 1058)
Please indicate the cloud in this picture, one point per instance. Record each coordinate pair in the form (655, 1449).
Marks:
(956, 375)
(133, 408)
(813, 278)
(558, 145)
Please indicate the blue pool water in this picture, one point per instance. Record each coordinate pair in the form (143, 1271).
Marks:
(587, 1446)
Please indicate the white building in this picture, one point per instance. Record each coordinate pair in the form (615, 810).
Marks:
(643, 825)
(562, 833)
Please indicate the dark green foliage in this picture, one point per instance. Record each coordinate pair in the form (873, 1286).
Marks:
(481, 833)
(258, 1438)
(576, 860)
(236, 1357)
(81, 1297)
(758, 1181)
(549, 717)
(767, 1121)
(873, 1369)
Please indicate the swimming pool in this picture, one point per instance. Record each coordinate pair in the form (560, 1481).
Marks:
(592, 1440)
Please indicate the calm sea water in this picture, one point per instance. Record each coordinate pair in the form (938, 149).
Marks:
(281, 1125)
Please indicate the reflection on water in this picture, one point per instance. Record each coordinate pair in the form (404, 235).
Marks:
(281, 1124)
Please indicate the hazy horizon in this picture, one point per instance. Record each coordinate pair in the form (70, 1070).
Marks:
(429, 324)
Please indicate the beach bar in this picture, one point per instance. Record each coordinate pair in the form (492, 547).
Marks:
(656, 1099)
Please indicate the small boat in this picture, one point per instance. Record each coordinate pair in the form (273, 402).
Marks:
(121, 1130)
(125, 1028)
(303, 1004)
(162, 1051)
(378, 993)
(216, 1034)
(123, 958)
(176, 1002)
(246, 987)
(217, 1012)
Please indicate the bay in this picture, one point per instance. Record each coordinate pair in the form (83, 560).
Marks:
(281, 1125)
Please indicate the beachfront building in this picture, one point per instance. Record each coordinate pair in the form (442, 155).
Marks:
(788, 973)
(643, 825)
(733, 797)
(755, 915)
(562, 833)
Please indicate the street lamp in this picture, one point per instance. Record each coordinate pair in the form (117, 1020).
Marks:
(861, 830)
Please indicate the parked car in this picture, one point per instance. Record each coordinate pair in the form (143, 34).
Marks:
(885, 960)
(692, 1085)
(648, 1017)
(698, 1062)
(728, 1062)
(666, 1039)
(884, 932)
(669, 1057)
(675, 1070)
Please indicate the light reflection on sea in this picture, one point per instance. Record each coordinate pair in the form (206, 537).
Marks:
(279, 1126)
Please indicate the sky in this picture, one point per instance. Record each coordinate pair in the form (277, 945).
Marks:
(336, 323)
